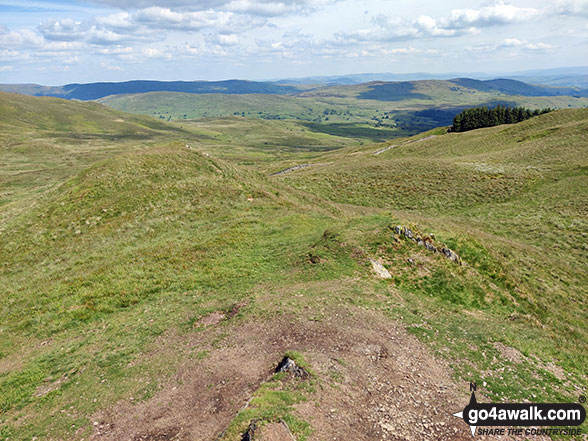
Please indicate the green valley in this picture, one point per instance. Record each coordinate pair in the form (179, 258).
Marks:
(154, 273)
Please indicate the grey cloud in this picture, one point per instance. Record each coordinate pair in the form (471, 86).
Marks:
(62, 30)
(573, 8)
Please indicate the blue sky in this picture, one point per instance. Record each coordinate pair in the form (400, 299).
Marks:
(56, 42)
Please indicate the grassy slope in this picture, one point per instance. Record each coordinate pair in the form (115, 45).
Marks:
(46, 140)
(373, 111)
(128, 250)
(516, 194)
(141, 241)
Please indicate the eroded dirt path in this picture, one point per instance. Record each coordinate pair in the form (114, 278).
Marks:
(375, 382)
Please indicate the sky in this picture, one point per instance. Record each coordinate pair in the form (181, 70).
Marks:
(55, 42)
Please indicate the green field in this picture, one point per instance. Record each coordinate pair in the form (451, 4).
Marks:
(120, 235)
(372, 111)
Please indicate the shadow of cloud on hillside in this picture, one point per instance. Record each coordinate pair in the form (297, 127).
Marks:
(392, 92)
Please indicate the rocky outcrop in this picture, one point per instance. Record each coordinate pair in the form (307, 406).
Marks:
(290, 366)
(426, 242)
(451, 255)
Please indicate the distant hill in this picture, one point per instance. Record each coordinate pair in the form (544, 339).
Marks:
(93, 91)
(382, 87)
(429, 89)
(567, 76)
(514, 87)
(375, 111)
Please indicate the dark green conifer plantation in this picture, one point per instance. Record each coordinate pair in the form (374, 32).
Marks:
(478, 117)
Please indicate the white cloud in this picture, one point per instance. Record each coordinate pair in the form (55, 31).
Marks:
(151, 52)
(227, 40)
(496, 14)
(165, 18)
(104, 37)
(122, 20)
(459, 22)
(116, 50)
(524, 44)
(20, 37)
(512, 42)
(218, 35)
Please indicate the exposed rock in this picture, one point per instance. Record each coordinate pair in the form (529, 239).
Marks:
(430, 246)
(289, 365)
(380, 270)
(249, 435)
(426, 242)
(408, 233)
(451, 255)
(411, 261)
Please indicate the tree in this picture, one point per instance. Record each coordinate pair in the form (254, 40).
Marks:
(477, 117)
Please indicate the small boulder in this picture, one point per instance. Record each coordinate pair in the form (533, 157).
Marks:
(408, 233)
(380, 269)
(430, 247)
(289, 365)
(450, 254)
(249, 435)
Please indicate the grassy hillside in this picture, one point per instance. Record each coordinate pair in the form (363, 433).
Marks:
(46, 140)
(373, 111)
(151, 283)
(519, 190)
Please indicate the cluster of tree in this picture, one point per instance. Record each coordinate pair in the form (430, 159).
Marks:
(478, 117)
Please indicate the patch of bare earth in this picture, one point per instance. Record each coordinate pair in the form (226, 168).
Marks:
(374, 382)
(275, 432)
(212, 319)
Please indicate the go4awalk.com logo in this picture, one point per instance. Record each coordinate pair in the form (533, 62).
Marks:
(523, 418)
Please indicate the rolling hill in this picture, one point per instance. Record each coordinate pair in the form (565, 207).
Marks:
(154, 275)
(93, 91)
(373, 111)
